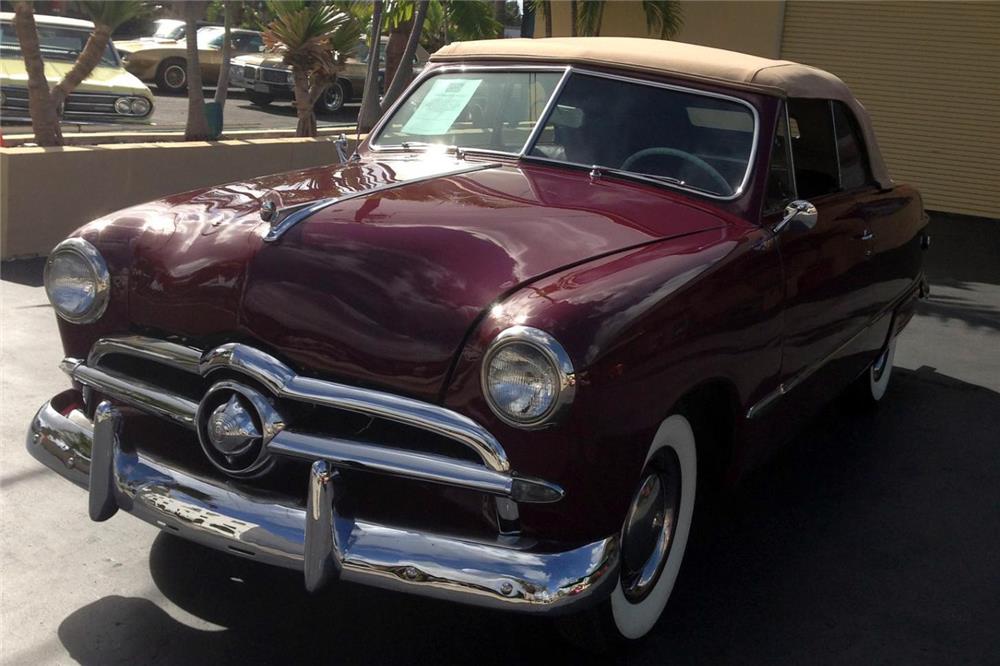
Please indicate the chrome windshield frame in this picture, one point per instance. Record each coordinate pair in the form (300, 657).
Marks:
(568, 71)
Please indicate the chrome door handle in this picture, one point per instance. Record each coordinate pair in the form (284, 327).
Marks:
(867, 236)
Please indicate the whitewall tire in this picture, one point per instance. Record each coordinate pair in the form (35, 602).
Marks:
(868, 390)
(653, 540)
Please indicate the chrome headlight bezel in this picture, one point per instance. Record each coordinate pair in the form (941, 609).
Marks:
(95, 263)
(560, 364)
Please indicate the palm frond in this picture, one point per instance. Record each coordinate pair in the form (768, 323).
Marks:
(590, 15)
(112, 14)
(663, 17)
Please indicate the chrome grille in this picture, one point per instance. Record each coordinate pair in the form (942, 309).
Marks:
(249, 73)
(77, 104)
(274, 76)
(149, 391)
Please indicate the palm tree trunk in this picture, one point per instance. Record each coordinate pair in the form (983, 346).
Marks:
(304, 102)
(370, 107)
(222, 87)
(574, 18)
(85, 64)
(398, 39)
(500, 14)
(197, 123)
(404, 73)
(43, 110)
(547, 10)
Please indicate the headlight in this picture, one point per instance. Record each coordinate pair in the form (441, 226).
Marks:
(290, 78)
(140, 106)
(123, 105)
(527, 377)
(77, 281)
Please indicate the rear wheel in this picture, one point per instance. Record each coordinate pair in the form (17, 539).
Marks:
(332, 99)
(869, 389)
(259, 99)
(653, 540)
(171, 76)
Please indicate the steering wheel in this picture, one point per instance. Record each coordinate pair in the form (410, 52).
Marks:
(707, 168)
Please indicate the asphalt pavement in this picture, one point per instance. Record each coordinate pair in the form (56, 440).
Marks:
(874, 538)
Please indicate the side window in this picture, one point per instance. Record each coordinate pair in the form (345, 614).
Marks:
(854, 170)
(780, 186)
(814, 147)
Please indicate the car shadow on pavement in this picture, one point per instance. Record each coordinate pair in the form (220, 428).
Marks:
(874, 537)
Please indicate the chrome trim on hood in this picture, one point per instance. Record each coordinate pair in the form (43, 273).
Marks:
(295, 214)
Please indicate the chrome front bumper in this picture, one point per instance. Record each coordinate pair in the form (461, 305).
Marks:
(509, 572)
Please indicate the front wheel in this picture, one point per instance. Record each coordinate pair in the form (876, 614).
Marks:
(653, 540)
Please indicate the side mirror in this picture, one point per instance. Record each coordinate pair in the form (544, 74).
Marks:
(801, 211)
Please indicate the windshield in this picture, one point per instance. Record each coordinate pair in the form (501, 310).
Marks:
(486, 110)
(169, 29)
(694, 140)
(685, 138)
(55, 42)
(210, 38)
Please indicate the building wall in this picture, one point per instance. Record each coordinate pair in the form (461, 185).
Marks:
(752, 26)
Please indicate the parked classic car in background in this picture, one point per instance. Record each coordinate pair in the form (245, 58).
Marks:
(108, 94)
(564, 289)
(267, 78)
(165, 62)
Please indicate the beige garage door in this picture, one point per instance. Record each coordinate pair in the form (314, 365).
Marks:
(929, 74)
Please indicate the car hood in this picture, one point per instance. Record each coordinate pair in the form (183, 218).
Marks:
(381, 288)
(134, 45)
(112, 80)
(275, 60)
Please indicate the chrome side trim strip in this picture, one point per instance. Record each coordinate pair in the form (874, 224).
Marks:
(283, 382)
(299, 214)
(513, 573)
(761, 405)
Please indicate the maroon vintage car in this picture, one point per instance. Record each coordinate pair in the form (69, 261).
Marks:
(564, 289)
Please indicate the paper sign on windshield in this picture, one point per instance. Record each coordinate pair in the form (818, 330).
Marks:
(441, 105)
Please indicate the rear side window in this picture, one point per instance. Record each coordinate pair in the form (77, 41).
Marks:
(854, 168)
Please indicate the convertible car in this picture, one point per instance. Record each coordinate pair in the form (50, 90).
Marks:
(502, 354)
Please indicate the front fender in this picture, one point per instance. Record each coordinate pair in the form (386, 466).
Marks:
(642, 327)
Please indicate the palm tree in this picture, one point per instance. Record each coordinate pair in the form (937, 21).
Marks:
(663, 18)
(197, 123)
(370, 107)
(404, 70)
(44, 105)
(315, 40)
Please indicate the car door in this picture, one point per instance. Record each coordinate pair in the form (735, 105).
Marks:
(826, 269)
(892, 218)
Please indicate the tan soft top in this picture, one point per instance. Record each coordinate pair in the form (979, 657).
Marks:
(690, 61)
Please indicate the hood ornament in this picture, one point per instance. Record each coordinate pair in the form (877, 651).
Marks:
(268, 210)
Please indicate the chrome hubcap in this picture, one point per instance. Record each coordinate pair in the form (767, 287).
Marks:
(650, 526)
(333, 98)
(175, 76)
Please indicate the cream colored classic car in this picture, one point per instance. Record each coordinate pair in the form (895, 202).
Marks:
(267, 78)
(108, 94)
(165, 62)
